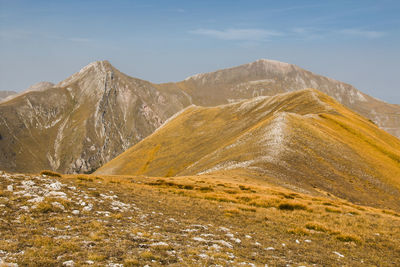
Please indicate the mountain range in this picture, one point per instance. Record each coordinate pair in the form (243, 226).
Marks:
(88, 119)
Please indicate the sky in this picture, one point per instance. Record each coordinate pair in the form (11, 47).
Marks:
(357, 42)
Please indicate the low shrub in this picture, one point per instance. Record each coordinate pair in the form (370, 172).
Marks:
(50, 173)
(292, 206)
(348, 238)
(316, 227)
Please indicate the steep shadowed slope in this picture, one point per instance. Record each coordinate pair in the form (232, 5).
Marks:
(303, 140)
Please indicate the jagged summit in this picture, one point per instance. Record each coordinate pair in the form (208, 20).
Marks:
(97, 70)
(101, 65)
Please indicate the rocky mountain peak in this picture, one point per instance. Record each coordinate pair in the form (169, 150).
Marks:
(40, 86)
(269, 65)
(97, 70)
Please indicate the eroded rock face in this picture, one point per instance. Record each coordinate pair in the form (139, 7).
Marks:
(83, 121)
(91, 117)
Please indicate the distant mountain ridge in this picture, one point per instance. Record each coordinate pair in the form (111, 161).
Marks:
(270, 77)
(91, 117)
(40, 86)
(5, 94)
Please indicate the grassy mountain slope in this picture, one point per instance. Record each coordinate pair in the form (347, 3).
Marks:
(303, 140)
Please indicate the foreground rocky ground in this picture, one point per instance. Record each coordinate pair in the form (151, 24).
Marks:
(209, 221)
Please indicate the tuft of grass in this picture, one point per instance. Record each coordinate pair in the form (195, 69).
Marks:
(129, 262)
(248, 209)
(147, 255)
(291, 206)
(50, 173)
(332, 210)
(96, 257)
(244, 188)
(206, 189)
(316, 227)
(84, 178)
(231, 212)
(229, 191)
(348, 238)
(45, 207)
(94, 193)
(299, 231)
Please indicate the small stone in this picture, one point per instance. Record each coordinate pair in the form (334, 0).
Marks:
(199, 239)
(203, 256)
(237, 240)
(54, 186)
(224, 243)
(10, 188)
(75, 212)
(36, 199)
(337, 253)
(69, 263)
(88, 207)
(159, 244)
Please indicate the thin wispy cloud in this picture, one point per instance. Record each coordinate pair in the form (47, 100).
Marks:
(256, 35)
(362, 33)
(25, 35)
(79, 39)
(14, 34)
(312, 33)
(234, 34)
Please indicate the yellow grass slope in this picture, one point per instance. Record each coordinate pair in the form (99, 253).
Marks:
(302, 140)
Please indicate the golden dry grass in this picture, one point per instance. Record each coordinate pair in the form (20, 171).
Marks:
(323, 146)
(177, 209)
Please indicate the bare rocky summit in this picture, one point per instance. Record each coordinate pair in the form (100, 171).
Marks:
(91, 117)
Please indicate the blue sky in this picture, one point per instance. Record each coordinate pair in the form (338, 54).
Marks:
(353, 41)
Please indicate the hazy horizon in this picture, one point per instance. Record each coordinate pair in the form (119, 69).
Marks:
(351, 41)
